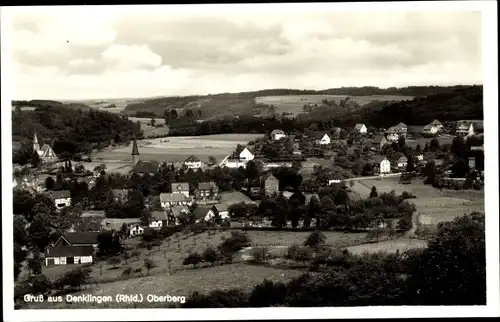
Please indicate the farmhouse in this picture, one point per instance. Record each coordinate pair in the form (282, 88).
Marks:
(431, 129)
(394, 132)
(45, 153)
(157, 219)
(222, 210)
(246, 155)
(464, 128)
(207, 190)
(383, 164)
(277, 135)
(78, 239)
(181, 187)
(174, 199)
(233, 163)
(136, 230)
(322, 139)
(62, 198)
(271, 184)
(203, 214)
(402, 162)
(360, 128)
(65, 255)
(174, 213)
(117, 223)
(437, 124)
(379, 141)
(192, 162)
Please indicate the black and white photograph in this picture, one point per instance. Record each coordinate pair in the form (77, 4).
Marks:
(341, 158)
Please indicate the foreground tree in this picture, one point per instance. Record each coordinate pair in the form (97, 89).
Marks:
(315, 239)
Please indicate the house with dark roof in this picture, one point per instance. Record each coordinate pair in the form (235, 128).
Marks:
(360, 128)
(78, 239)
(379, 141)
(168, 200)
(45, 153)
(464, 128)
(207, 190)
(193, 162)
(67, 255)
(321, 138)
(180, 187)
(277, 135)
(393, 133)
(221, 210)
(271, 184)
(62, 198)
(174, 213)
(202, 213)
(158, 219)
(402, 162)
(149, 167)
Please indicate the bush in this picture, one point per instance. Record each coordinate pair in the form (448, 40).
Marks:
(210, 256)
(193, 259)
(260, 254)
(127, 271)
(315, 239)
(291, 251)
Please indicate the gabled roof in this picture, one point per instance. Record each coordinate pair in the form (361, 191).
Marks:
(378, 139)
(403, 159)
(178, 210)
(180, 186)
(221, 207)
(146, 167)
(81, 237)
(192, 158)
(69, 251)
(207, 185)
(268, 176)
(358, 126)
(435, 122)
(200, 212)
(320, 135)
(428, 127)
(158, 215)
(277, 131)
(135, 149)
(401, 125)
(379, 158)
(172, 197)
(247, 150)
(61, 194)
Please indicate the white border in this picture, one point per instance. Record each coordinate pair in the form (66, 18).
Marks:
(490, 61)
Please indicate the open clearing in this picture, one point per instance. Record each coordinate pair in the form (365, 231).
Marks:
(287, 238)
(390, 246)
(294, 103)
(423, 141)
(433, 205)
(177, 149)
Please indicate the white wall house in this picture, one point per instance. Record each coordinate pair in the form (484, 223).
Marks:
(157, 219)
(402, 162)
(277, 135)
(174, 199)
(431, 129)
(136, 230)
(246, 155)
(234, 163)
(385, 166)
(360, 128)
(67, 255)
(193, 162)
(181, 187)
(332, 181)
(419, 157)
(323, 139)
(465, 129)
(61, 198)
(203, 214)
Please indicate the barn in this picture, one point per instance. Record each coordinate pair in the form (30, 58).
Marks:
(65, 255)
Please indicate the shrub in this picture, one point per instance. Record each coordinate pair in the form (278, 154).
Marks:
(315, 239)
(291, 251)
(260, 254)
(127, 271)
(210, 255)
(193, 259)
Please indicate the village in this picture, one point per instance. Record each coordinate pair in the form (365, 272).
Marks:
(351, 155)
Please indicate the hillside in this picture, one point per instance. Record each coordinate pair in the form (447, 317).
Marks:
(244, 103)
(71, 130)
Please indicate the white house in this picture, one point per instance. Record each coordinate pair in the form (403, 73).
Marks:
(66, 255)
(181, 187)
(62, 198)
(136, 230)
(157, 219)
(437, 124)
(246, 155)
(393, 133)
(332, 181)
(360, 128)
(419, 156)
(203, 214)
(385, 166)
(465, 129)
(277, 135)
(431, 129)
(193, 162)
(174, 199)
(234, 163)
(402, 162)
(322, 139)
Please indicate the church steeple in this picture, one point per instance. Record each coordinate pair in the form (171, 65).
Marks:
(36, 145)
(135, 153)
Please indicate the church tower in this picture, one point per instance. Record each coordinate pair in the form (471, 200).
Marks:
(36, 145)
(135, 154)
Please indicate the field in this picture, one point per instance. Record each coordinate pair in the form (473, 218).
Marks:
(433, 205)
(294, 103)
(442, 140)
(287, 238)
(177, 149)
(390, 246)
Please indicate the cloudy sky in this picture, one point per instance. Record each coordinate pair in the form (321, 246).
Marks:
(90, 52)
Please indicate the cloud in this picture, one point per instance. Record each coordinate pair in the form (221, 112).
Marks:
(97, 52)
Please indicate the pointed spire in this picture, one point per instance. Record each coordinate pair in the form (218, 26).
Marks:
(135, 150)
(35, 138)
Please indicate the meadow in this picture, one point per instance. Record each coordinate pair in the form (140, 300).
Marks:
(294, 103)
(177, 149)
(433, 205)
(423, 141)
(389, 246)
